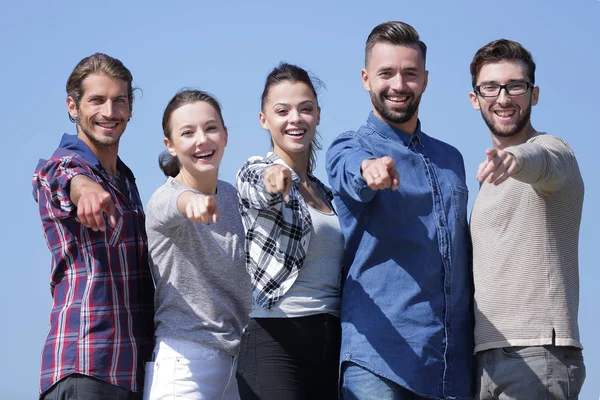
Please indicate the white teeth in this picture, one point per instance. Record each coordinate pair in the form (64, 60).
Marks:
(205, 154)
(507, 113)
(297, 132)
(105, 125)
(398, 99)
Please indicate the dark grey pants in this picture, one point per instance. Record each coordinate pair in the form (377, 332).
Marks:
(537, 372)
(82, 387)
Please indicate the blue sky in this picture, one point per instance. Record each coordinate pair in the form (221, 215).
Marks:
(227, 48)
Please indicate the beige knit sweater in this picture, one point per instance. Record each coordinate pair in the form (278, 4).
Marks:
(525, 250)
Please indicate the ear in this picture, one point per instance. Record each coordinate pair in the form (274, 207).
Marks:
(263, 121)
(474, 100)
(535, 95)
(365, 80)
(72, 107)
(425, 80)
(226, 136)
(170, 147)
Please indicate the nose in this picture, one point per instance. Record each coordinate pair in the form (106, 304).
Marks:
(503, 97)
(201, 138)
(397, 83)
(107, 108)
(294, 116)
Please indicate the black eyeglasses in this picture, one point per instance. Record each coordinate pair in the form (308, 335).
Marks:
(512, 89)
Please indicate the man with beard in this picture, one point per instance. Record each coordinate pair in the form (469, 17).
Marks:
(525, 229)
(101, 323)
(401, 198)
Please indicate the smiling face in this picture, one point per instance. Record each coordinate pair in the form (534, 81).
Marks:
(505, 115)
(102, 113)
(291, 114)
(395, 78)
(198, 138)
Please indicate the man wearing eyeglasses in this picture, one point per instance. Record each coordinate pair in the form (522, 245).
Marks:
(525, 231)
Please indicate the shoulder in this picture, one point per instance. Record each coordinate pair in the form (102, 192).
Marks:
(352, 139)
(63, 164)
(546, 139)
(226, 189)
(161, 195)
(62, 156)
(352, 134)
(257, 160)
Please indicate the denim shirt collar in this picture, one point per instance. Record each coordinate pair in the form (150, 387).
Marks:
(389, 132)
(73, 143)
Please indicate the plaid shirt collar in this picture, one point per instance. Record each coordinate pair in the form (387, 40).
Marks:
(72, 143)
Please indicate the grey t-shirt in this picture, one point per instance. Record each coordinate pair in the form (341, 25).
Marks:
(202, 288)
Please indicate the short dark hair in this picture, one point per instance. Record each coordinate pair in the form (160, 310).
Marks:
(97, 63)
(396, 33)
(502, 50)
(169, 164)
(285, 72)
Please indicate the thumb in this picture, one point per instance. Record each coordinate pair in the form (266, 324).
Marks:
(390, 165)
(216, 214)
(395, 180)
(212, 209)
(287, 180)
(108, 206)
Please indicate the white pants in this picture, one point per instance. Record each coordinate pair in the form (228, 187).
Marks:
(189, 370)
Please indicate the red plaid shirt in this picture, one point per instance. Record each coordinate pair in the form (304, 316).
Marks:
(101, 320)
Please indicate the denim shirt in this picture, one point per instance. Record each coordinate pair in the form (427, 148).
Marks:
(407, 295)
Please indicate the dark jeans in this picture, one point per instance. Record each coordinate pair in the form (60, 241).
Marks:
(290, 358)
(83, 387)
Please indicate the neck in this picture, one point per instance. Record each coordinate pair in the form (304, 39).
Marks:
(297, 161)
(106, 155)
(409, 126)
(524, 135)
(204, 183)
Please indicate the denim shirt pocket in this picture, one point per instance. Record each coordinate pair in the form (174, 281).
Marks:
(460, 197)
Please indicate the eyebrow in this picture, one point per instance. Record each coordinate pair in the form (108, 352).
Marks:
(102, 96)
(286, 104)
(390, 67)
(493, 82)
(192, 126)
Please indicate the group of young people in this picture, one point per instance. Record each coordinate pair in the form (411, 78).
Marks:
(370, 285)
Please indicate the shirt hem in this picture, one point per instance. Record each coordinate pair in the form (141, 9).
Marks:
(527, 342)
(398, 381)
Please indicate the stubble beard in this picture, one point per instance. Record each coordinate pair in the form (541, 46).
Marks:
(519, 125)
(107, 144)
(398, 115)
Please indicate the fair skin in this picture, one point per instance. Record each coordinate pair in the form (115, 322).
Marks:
(198, 139)
(396, 78)
(507, 117)
(292, 115)
(102, 117)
